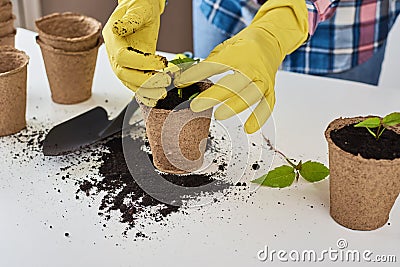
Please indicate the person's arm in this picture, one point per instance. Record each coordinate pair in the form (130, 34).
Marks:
(318, 10)
(130, 37)
(254, 54)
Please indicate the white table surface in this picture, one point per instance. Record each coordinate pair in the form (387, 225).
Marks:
(226, 233)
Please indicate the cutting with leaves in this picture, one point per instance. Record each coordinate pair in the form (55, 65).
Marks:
(284, 176)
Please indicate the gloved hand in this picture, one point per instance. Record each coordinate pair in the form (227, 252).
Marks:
(254, 54)
(130, 36)
(152, 96)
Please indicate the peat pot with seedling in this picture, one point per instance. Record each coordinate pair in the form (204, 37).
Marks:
(364, 162)
(176, 134)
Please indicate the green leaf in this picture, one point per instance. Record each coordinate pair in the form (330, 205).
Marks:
(184, 63)
(282, 176)
(369, 123)
(392, 119)
(182, 60)
(314, 171)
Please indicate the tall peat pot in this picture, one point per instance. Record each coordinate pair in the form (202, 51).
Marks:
(362, 190)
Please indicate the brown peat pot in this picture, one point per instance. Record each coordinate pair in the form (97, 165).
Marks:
(362, 190)
(13, 76)
(7, 27)
(5, 11)
(8, 39)
(70, 74)
(68, 31)
(177, 137)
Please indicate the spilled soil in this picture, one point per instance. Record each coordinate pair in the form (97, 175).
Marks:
(121, 192)
(103, 180)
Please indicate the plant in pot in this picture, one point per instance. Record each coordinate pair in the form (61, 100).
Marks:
(176, 134)
(364, 161)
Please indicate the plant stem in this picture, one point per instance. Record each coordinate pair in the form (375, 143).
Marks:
(279, 152)
(377, 131)
(379, 135)
(371, 132)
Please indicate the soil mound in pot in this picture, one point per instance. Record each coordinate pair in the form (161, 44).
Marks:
(358, 141)
(174, 102)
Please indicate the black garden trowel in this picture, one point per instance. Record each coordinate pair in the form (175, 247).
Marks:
(84, 130)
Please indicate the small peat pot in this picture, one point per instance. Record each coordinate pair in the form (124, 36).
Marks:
(69, 31)
(176, 134)
(364, 174)
(8, 39)
(13, 76)
(5, 11)
(7, 27)
(70, 74)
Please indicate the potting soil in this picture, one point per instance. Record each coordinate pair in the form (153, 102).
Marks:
(123, 194)
(174, 101)
(359, 141)
(102, 180)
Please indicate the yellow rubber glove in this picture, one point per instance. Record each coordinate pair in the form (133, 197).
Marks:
(151, 97)
(254, 54)
(130, 36)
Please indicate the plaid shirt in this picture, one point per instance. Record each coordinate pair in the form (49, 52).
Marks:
(343, 33)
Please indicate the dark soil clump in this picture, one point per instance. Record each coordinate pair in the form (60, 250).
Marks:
(86, 186)
(255, 166)
(358, 141)
(174, 102)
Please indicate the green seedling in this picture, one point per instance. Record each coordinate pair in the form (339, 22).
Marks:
(184, 64)
(380, 124)
(284, 176)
